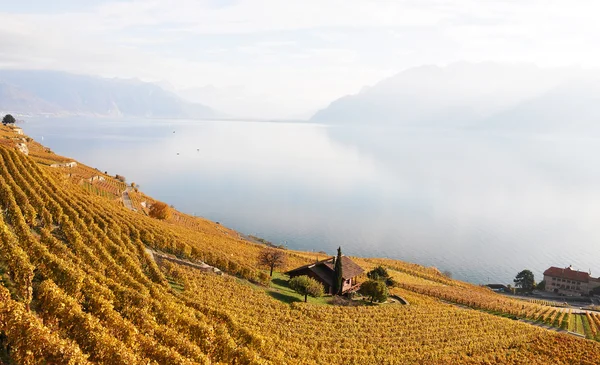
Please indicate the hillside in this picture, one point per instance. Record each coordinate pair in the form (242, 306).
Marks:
(59, 93)
(572, 106)
(77, 286)
(481, 95)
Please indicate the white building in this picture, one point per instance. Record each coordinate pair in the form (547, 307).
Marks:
(66, 164)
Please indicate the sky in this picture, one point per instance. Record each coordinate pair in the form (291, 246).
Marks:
(288, 58)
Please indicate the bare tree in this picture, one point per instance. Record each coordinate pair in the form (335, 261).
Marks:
(272, 258)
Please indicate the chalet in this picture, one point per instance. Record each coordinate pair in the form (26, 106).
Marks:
(323, 271)
(569, 282)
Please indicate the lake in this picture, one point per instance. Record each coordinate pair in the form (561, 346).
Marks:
(481, 205)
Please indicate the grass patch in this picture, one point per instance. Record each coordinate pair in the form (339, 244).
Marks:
(565, 321)
(578, 324)
(280, 290)
(587, 329)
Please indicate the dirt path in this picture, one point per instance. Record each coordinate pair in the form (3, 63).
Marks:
(158, 256)
(127, 200)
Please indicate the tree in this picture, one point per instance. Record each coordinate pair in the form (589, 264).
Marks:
(306, 286)
(160, 211)
(272, 258)
(338, 274)
(525, 280)
(375, 290)
(8, 119)
(380, 273)
(541, 285)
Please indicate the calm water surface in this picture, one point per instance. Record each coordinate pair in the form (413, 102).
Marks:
(481, 205)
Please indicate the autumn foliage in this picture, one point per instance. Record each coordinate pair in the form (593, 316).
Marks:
(77, 286)
(160, 210)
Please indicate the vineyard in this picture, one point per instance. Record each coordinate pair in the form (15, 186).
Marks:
(77, 287)
(137, 199)
(93, 189)
(111, 187)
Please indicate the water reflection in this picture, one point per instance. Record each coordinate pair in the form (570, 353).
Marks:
(480, 205)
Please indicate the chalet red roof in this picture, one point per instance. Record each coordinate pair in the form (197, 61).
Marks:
(568, 273)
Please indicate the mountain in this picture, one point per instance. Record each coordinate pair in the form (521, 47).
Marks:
(458, 95)
(52, 92)
(573, 106)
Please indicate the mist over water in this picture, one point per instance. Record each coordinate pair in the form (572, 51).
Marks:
(483, 205)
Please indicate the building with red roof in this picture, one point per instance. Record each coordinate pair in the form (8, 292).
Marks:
(567, 281)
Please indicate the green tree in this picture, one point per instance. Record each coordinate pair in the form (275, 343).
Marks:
(306, 286)
(525, 280)
(380, 273)
(375, 290)
(338, 274)
(8, 119)
(541, 285)
(272, 258)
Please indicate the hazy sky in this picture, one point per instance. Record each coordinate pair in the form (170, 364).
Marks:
(285, 58)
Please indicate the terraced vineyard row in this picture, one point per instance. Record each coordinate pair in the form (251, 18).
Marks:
(93, 189)
(94, 285)
(77, 287)
(113, 187)
(136, 201)
(483, 299)
(426, 332)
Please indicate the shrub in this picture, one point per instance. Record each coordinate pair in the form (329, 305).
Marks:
(380, 273)
(160, 211)
(375, 290)
(306, 286)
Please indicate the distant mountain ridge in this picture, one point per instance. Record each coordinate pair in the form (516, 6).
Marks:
(480, 95)
(53, 92)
